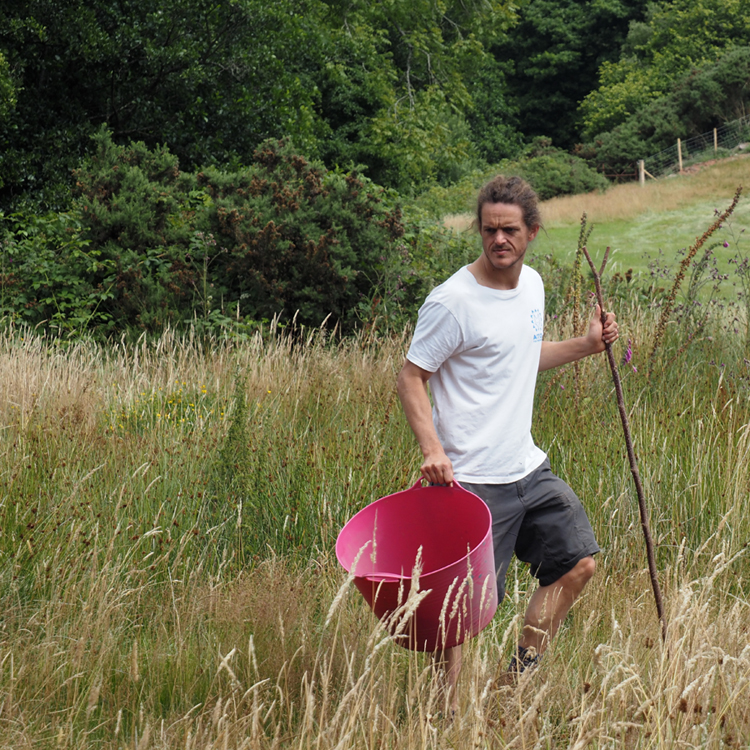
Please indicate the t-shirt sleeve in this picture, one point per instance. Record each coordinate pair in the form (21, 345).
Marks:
(437, 337)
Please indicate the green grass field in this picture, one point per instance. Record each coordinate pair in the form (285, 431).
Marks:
(639, 224)
(650, 236)
(168, 512)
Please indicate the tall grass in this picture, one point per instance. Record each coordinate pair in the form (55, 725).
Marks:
(168, 580)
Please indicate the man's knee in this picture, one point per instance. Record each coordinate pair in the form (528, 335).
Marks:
(583, 571)
(578, 576)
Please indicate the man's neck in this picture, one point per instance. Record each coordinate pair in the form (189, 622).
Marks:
(504, 279)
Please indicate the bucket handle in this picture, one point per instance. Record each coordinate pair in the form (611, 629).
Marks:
(384, 577)
(418, 484)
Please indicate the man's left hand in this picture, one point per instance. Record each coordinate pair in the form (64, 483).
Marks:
(599, 335)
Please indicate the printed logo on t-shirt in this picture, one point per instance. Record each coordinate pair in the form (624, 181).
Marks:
(537, 324)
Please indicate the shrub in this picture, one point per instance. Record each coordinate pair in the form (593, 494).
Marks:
(296, 239)
(281, 238)
(50, 273)
(703, 99)
(140, 213)
(552, 172)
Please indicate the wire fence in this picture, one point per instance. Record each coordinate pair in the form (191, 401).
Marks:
(699, 147)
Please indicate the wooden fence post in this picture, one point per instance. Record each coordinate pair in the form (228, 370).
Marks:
(679, 153)
(716, 142)
(641, 172)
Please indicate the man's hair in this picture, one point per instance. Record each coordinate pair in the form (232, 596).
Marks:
(515, 191)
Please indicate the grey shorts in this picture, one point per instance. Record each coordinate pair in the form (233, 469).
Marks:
(540, 519)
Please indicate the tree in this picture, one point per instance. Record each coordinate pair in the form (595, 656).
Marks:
(211, 79)
(552, 57)
(414, 125)
(676, 37)
(7, 89)
(699, 100)
(278, 237)
(388, 85)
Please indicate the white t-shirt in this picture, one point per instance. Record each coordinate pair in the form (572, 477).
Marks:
(483, 346)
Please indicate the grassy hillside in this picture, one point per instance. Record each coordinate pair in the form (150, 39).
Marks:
(639, 222)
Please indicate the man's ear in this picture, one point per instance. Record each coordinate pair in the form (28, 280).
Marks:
(533, 233)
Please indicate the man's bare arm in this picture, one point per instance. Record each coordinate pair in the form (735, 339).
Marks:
(556, 353)
(412, 390)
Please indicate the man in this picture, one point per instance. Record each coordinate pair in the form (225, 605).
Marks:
(479, 343)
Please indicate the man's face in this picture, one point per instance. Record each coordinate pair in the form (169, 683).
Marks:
(505, 235)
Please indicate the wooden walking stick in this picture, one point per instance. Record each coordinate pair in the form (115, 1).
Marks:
(631, 453)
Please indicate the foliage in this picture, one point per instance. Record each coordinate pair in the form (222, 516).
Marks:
(552, 56)
(282, 238)
(382, 85)
(398, 94)
(494, 118)
(552, 172)
(140, 214)
(411, 92)
(677, 35)
(209, 79)
(298, 238)
(51, 274)
(699, 101)
(418, 144)
(8, 94)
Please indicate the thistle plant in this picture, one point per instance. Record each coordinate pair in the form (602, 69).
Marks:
(682, 270)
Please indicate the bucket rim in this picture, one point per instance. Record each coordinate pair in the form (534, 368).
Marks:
(399, 577)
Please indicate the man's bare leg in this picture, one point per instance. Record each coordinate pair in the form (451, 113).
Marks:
(449, 661)
(549, 606)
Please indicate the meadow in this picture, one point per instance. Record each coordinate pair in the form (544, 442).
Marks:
(650, 223)
(168, 512)
(168, 515)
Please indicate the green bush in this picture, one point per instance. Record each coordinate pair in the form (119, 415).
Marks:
(149, 245)
(552, 172)
(50, 274)
(140, 213)
(703, 99)
(295, 239)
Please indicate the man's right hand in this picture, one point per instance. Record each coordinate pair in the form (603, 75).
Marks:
(437, 468)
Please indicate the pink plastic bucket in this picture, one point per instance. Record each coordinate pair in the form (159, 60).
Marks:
(453, 527)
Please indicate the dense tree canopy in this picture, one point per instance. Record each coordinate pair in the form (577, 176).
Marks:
(210, 79)
(385, 84)
(675, 37)
(552, 58)
(7, 89)
(413, 91)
